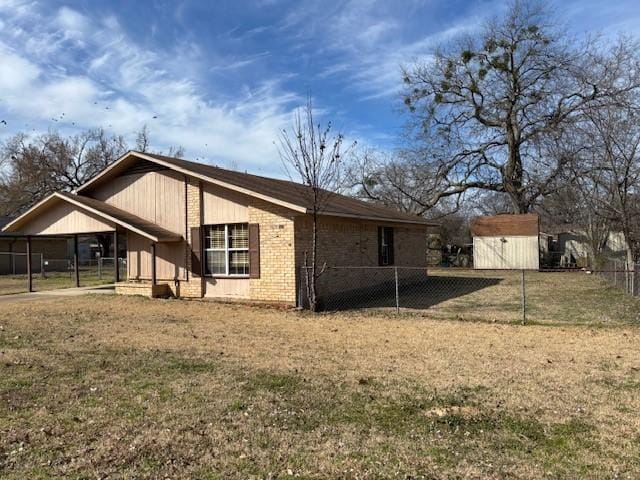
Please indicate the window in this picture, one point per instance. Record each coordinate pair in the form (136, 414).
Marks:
(226, 249)
(385, 246)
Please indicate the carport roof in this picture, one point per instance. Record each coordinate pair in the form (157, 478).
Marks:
(103, 210)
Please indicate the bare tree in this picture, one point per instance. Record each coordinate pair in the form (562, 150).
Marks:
(611, 170)
(142, 139)
(33, 167)
(143, 144)
(396, 181)
(484, 107)
(312, 155)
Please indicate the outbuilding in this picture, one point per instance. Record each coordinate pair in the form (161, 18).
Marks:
(506, 242)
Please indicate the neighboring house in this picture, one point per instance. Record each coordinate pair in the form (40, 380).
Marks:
(506, 242)
(195, 230)
(572, 248)
(13, 259)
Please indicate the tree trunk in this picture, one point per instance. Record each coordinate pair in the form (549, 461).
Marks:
(513, 174)
(313, 300)
(104, 241)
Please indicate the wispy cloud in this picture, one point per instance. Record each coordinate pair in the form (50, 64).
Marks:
(369, 41)
(222, 78)
(92, 74)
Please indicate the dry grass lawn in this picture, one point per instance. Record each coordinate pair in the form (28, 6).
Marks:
(10, 284)
(107, 387)
(496, 296)
(551, 297)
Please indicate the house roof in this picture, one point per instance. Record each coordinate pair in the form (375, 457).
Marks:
(282, 192)
(506, 225)
(103, 210)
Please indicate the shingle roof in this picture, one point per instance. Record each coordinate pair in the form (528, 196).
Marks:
(294, 193)
(506, 225)
(126, 219)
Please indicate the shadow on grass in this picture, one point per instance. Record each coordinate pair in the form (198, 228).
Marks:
(417, 293)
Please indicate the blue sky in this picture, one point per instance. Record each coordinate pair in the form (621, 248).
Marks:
(223, 77)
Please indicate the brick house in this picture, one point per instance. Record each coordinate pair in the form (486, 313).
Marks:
(195, 230)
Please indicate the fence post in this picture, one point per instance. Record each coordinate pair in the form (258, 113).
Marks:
(300, 294)
(524, 300)
(395, 270)
(42, 274)
(29, 269)
(99, 268)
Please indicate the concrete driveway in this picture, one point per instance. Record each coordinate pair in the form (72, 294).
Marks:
(62, 292)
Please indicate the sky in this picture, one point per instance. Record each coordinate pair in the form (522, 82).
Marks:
(223, 78)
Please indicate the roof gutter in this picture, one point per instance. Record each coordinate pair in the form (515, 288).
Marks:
(424, 223)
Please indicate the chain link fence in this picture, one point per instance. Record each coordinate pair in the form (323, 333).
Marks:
(54, 273)
(467, 294)
(621, 275)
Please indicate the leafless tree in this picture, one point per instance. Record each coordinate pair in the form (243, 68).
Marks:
(395, 180)
(142, 139)
(143, 144)
(483, 108)
(611, 170)
(36, 167)
(312, 155)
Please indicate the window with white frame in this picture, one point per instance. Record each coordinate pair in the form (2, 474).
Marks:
(226, 249)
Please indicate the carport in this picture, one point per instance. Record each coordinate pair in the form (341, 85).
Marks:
(68, 215)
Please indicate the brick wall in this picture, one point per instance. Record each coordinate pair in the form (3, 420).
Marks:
(277, 282)
(143, 288)
(194, 286)
(343, 242)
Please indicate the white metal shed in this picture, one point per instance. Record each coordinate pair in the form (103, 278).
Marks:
(506, 242)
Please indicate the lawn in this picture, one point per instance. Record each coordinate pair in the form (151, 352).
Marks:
(10, 284)
(100, 386)
(496, 296)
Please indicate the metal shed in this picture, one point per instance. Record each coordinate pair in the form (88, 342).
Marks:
(506, 242)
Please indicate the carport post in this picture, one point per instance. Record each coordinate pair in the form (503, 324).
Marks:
(153, 264)
(76, 267)
(115, 256)
(29, 266)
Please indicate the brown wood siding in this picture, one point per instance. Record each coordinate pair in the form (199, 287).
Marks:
(154, 196)
(169, 259)
(227, 287)
(221, 205)
(63, 219)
